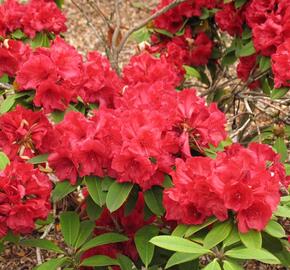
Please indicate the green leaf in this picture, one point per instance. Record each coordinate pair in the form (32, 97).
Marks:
(57, 116)
(93, 210)
(179, 258)
(4, 161)
(7, 104)
(61, 190)
(239, 3)
(282, 211)
(94, 185)
(247, 33)
(141, 35)
(247, 49)
(117, 195)
(264, 63)
(70, 226)
(279, 93)
(229, 59)
(59, 3)
(178, 244)
(261, 255)
(18, 34)
(214, 265)
(104, 239)
(275, 229)
(38, 159)
(99, 260)
(180, 230)
(86, 229)
(164, 32)
(125, 262)
(195, 228)
(144, 247)
(40, 40)
(41, 243)
(281, 148)
(227, 265)
(251, 239)
(217, 234)
(191, 72)
(53, 264)
(153, 199)
(4, 78)
(232, 238)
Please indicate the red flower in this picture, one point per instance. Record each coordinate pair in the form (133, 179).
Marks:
(255, 217)
(24, 197)
(230, 19)
(281, 65)
(25, 133)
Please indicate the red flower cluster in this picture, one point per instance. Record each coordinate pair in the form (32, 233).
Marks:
(24, 198)
(25, 133)
(173, 20)
(129, 224)
(139, 139)
(245, 181)
(32, 17)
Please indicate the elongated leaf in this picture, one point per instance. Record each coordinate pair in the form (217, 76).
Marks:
(99, 260)
(7, 104)
(275, 229)
(191, 72)
(125, 262)
(227, 265)
(281, 148)
(232, 238)
(217, 234)
(247, 50)
(279, 93)
(265, 63)
(179, 258)
(214, 265)
(180, 230)
(93, 210)
(38, 159)
(261, 255)
(53, 264)
(106, 238)
(195, 228)
(153, 199)
(86, 228)
(282, 211)
(41, 243)
(178, 244)
(239, 3)
(144, 247)
(117, 195)
(70, 226)
(251, 239)
(94, 186)
(4, 161)
(61, 190)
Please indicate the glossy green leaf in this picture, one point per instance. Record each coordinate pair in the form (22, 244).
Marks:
(117, 195)
(38, 159)
(191, 72)
(251, 239)
(217, 234)
(232, 238)
(53, 264)
(4, 161)
(99, 260)
(86, 229)
(214, 265)
(179, 258)
(264, 63)
(282, 211)
(195, 228)
(178, 244)
(61, 190)
(144, 247)
(41, 243)
(7, 104)
(94, 185)
(104, 239)
(279, 93)
(281, 148)
(247, 49)
(229, 265)
(180, 230)
(153, 199)
(93, 210)
(275, 229)
(261, 255)
(70, 226)
(125, 262)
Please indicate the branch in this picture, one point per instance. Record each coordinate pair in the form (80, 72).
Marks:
(146, 21)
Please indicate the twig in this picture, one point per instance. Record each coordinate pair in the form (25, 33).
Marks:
(146, 21)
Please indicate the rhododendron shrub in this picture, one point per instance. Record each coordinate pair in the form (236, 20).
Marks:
(147, 155)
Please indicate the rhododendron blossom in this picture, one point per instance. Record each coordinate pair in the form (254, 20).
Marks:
(24, 198)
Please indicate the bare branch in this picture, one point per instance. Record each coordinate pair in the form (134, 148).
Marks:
(146, 21)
